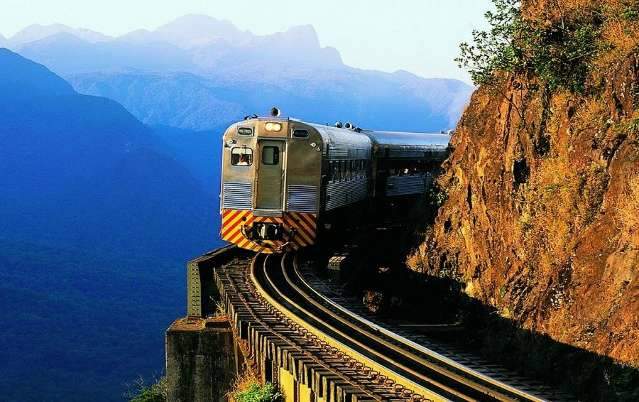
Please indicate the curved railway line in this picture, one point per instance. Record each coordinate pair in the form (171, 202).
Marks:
(366, 361)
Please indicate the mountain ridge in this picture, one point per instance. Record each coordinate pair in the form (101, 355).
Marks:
(99, 212)
(37, 31)
(190, 101)
(230, 73)
(107, 147)
(27, 79)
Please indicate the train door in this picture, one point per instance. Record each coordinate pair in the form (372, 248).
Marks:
(270, 174)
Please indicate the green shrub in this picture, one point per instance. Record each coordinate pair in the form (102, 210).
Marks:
(149, 393)
(258, 393)
(558, 53)
(630, 12)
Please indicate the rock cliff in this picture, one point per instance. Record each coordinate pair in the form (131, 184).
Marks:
(541, 219)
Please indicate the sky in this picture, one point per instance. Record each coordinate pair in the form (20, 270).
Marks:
(420, 36)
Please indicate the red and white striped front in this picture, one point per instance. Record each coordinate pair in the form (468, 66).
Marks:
(299, 230)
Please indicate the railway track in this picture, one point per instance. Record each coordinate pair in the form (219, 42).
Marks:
(277, 340)
(366, 360)
(492, 380)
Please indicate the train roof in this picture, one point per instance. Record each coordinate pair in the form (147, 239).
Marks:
(333, 135)
(344, 143)
(435, 141)
(392, 139)
(358, 143)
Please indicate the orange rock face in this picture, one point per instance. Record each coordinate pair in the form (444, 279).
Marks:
(542, 215)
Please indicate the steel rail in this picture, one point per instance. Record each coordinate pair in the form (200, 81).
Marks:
(476, 390)
(407, 342)
(430, 365)
(286, 340)
(319, 334)
(331, 339)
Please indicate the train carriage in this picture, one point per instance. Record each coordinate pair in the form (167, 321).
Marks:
(282, 178)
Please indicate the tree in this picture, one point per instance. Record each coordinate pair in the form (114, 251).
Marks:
(558, 52)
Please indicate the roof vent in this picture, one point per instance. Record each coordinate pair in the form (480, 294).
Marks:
(349, 125)
(275, 112)
(338, 124)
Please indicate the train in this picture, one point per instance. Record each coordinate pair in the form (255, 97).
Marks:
(285, 182)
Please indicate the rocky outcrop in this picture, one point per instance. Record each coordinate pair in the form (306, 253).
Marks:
(542, 216)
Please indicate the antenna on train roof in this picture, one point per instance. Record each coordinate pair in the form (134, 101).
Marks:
(275, 112)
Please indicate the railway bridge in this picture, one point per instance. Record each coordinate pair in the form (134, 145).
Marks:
(265, 313)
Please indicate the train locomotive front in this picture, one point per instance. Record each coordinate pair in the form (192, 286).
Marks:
(271, 176)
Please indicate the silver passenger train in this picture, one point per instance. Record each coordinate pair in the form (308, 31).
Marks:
(284, 179)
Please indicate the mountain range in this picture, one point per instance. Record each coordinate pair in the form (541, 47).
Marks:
(98, 214)
(201, 73)
(81, 166)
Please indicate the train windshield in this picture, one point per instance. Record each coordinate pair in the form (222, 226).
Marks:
(241, 156)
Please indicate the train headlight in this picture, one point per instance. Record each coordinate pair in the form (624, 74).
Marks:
(270, 126)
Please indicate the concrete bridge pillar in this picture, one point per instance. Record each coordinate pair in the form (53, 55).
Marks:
(201, 362)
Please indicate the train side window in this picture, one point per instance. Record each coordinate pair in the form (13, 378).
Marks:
(241, 156)
(270, 155)
(300, 133)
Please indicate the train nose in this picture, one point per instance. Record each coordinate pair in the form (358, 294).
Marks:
(267, 231)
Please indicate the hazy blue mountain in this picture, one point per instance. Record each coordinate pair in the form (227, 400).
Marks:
(199, 73)
(297, 49)
(178, 100)
(370, 99)
(66, 54)
(191, 31)
(36, 32)
(97, 217)
(195, 44)
(199, 152)
(78, 325)
(83, 167)
(22, 79)
(3, 41)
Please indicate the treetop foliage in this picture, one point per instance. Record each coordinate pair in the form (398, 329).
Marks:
(557, 53)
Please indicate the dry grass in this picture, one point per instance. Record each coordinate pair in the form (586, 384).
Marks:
(628, 211)
(243, 383)
(248, 388)
(417, 260)
(550, 213)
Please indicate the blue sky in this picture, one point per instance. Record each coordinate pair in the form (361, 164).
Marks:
(420, 36)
